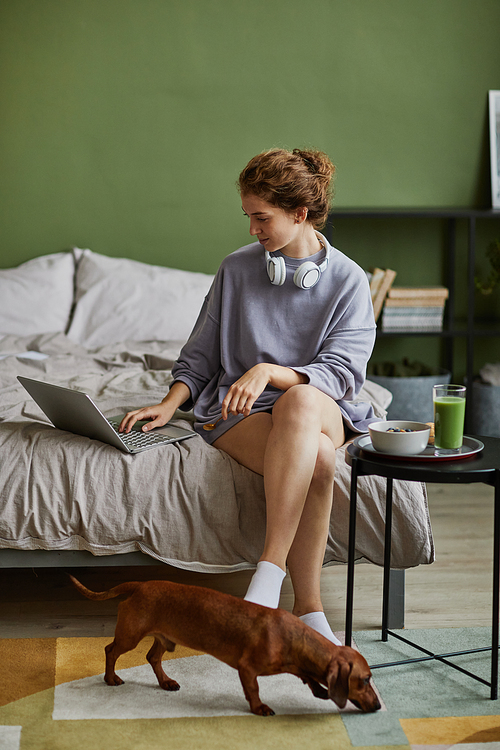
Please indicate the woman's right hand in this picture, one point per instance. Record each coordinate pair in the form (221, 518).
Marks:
(160, 414)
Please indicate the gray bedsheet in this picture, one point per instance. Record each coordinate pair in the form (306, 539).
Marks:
(188, 504)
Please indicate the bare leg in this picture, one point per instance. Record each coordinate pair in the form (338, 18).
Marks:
(294, 450)
(307, 552)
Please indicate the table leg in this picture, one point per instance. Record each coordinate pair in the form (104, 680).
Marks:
(351, 553)
(496, 591)
(387, 559)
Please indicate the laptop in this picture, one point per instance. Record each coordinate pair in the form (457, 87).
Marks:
(75, 412)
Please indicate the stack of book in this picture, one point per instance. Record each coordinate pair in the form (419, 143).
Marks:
(420, 309)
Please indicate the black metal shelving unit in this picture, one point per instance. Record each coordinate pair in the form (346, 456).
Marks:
(451, 328)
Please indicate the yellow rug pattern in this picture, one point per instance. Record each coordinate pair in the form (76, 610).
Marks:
(36, 671)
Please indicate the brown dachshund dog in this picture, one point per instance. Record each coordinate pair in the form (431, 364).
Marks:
(254, 640)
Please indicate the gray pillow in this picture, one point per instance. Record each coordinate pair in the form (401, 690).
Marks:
(118, 299)
(37, 296)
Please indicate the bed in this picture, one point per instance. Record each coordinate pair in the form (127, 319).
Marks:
(113, 327)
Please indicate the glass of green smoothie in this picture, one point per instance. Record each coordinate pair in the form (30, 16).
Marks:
(449, 414)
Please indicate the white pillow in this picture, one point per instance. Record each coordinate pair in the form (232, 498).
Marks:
(37, 296)
(118, 299)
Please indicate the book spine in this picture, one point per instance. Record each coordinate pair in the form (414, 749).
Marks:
(415, 302)
(418, 291)
(381, 293)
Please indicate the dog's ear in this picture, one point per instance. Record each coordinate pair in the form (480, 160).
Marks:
(337, 679)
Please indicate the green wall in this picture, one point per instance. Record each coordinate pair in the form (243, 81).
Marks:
(126, 122)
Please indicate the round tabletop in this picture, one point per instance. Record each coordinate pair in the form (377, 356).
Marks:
(480, 467)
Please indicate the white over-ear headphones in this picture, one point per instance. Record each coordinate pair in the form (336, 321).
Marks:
(306, 276)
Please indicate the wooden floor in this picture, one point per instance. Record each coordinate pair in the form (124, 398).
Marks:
(455, 591)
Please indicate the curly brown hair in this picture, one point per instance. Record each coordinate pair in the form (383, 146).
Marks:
(291, 180)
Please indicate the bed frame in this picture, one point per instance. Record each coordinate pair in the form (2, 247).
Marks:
(14, 558)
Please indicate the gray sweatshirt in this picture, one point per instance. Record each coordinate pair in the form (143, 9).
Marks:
(326, 332)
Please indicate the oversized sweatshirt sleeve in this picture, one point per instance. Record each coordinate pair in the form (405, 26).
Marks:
(339, 369)
(199, 359)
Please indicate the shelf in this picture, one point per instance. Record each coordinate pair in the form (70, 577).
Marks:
(460, 329)
(439, 334)
(485, 332)
(467, 329)
(417, 213)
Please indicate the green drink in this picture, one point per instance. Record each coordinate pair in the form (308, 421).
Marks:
(449, 414)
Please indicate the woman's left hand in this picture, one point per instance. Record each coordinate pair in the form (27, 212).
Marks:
(242, 395)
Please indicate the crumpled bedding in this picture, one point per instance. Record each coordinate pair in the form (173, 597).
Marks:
(187, 504)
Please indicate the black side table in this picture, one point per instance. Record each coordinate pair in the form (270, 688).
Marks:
(482, 467)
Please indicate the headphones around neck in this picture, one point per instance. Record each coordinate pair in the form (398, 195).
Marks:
(306, 276)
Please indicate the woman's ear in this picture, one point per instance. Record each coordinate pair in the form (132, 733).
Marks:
(301, 214)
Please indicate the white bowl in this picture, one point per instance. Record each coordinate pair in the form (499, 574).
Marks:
(399, 443)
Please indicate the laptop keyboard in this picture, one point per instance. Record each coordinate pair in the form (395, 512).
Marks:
(136, 439)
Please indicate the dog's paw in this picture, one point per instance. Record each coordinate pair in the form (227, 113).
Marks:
(263, 710)
(169, 684)
(114, 680)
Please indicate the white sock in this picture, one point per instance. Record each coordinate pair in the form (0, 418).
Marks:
(317, 621)
(265, 586)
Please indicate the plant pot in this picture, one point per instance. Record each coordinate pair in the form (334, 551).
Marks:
(485, 417)
(411, 397)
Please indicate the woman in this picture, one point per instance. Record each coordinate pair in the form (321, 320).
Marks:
(275, 359)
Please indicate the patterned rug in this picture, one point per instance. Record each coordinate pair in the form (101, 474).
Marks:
(53, 697)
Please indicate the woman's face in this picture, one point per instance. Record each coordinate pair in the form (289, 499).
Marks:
(273, 227)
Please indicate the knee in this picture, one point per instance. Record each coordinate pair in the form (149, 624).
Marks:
(298, 402)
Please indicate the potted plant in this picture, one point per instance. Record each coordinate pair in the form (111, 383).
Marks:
(493, 278)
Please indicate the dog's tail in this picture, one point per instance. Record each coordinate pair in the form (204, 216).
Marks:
(122, 588)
